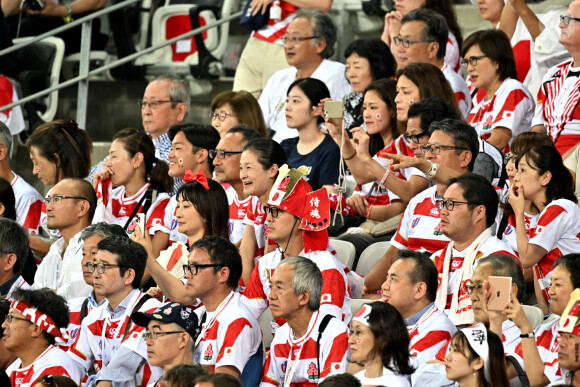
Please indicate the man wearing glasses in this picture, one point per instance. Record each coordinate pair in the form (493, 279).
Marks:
(308, 43)
(226, 162)
(557, 112)
(69, 209)
(108, 338)
(32, 331)
(423, 39)
(468, 210)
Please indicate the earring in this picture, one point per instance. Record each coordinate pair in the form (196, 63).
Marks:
(135, 167)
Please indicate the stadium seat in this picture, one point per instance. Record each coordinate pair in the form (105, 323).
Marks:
(345, 250)
(370, 256)
(534, 314)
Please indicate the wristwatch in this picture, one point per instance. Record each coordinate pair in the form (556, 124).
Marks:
(69, 14)
(527, 335)
(432, 170)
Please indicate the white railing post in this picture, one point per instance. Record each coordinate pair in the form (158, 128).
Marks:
(83, 91)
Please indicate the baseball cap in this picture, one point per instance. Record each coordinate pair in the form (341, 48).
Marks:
(171, 312)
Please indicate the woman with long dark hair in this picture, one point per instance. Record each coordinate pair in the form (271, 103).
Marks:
(380, 342)
(261, 158)
(543, 179)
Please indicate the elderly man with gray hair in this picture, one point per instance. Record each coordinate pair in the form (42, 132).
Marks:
(28, 200)
(313, 345)
(308, 44)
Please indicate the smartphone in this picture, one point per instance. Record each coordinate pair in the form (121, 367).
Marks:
(141, 223)
(35, 5)
(500, 292)
(333, 109)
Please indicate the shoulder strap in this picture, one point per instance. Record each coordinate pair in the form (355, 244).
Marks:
(323, 324)
(84, 310)
(138, 306)
(502, 226)
(520, 371)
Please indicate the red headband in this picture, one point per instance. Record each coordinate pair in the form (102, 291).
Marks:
(199, 177)
(41, 319)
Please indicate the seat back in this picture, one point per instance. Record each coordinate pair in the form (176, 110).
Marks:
(345, 250)
(534, 314)
(265, 321)
(370, 256)
(41, 63)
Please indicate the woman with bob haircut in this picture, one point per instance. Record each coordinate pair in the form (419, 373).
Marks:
(312, 148)
(140, 180)
(476, 358)
(202, 210)
(232, 108)
(367, 60)
(502, 107)
(58, 150)
(261, 158)
(543, 179)
(379, 341)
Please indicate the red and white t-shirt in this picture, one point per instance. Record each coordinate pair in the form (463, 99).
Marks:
(557, 230)
(53, 361)
(510, 107)
(420, 226)
(229, 336)
(238, 209)
(28, 204)
(274, 30)
(490, 246)
(510, 337)
(459, 87)
(428, 335)
(74, 306)
(509, 234)
(114, 208)
(169, 224)
(12, 118)
(101, 335)
(547, 341)
(334, 298)
(452, 52)
(557, 105)
(296, 359)
(256, 218)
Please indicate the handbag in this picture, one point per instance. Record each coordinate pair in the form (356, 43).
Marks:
(255, 22)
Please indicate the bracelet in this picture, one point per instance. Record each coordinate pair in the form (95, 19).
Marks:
(69, 14)
(351, 157)
(385, 177)
(369, 211)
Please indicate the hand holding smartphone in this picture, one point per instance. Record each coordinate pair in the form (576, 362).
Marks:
(333, 109)
(141, 223)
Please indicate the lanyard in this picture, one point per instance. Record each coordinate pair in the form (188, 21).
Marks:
(219, 309)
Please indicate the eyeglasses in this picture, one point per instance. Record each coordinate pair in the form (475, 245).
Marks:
(450, 204)
(154, 335)
(193, 268)
(220, 116)
(507, 158)
(407, 42)
(565, 19)
(100, 267)
(152, 104)
(10, 317)
(414, 137)
(274, 211)
(221, 154)
(58, 198)
(470, 289)
(297, 39)
(436, 149)
(472, 60)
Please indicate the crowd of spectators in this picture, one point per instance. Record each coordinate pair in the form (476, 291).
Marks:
(171, 261)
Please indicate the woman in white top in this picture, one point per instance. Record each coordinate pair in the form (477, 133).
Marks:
(379, 341)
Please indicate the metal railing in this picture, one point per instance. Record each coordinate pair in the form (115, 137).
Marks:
(83, 78)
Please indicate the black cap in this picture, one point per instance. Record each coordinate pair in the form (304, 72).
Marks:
(171, 312)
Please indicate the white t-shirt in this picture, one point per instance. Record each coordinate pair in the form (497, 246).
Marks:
(389, 378)
(459, 87)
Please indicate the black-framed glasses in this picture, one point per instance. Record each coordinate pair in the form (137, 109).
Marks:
(450, 204)
(152, 104)
(470, 288)
(565, 19)
(407, 42)
(56, 199)
(10, 317)
(193, 268)
(436, 149)
(472, 60)
(274, 211)
(509, 157)
(100, 267)
(154, 335)
(414, 137)
(220, 116)
(297, 39)
(221, 154)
